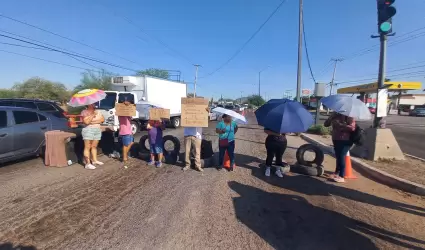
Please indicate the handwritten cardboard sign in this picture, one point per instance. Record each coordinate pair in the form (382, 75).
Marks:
(157, 114)
(194, 113)
(125, 110)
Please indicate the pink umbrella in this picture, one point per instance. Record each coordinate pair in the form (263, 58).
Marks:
(86, 97)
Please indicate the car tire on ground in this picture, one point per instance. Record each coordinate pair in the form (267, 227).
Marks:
(318, 159)
(176, 143)
(135, 127)
(175, 122)
(308, 170)
(142, 144)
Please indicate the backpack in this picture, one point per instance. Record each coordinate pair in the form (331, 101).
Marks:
(357, 136)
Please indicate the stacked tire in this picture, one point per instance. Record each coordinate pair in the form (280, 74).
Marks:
(306, 167)
(170, 156)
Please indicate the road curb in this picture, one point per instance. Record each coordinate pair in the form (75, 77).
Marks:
(374, 173)
(415, 157)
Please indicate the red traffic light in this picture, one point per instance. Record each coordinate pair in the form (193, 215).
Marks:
(389, 2)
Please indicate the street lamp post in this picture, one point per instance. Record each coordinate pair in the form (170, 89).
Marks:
(259, 80)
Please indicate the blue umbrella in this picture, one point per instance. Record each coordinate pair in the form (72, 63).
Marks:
(284, 116)
(348, 106)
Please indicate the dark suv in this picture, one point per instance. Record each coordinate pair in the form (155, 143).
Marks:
(41, 105)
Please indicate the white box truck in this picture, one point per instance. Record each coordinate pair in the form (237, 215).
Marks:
(143, 90)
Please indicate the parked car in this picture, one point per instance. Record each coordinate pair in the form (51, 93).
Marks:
(372, 110)
(22, 131)
(417, 112)
(41, 105)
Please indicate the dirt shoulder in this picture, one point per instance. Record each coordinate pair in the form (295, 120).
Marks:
(148, 208)
(409, 169)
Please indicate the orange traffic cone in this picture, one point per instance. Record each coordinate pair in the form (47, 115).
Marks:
(226, 161)
(348, 168)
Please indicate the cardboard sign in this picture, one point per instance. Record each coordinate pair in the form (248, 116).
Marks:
(125, 110)
(156, 114)
(194, 113)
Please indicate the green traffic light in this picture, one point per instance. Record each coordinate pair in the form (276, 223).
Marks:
(385, 27)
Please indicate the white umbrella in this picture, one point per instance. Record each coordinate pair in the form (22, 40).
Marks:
(238, 118)
(348, 106)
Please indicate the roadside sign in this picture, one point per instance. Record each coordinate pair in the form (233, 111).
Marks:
(306, 92)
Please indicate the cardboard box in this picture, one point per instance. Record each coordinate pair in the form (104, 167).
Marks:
(125, 110)
(157, 114)
(194, 113)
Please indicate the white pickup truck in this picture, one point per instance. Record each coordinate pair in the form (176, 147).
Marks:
(143, 91)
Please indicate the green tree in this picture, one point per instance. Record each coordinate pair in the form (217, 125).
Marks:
(256, 100)
(90, 80)
(8, 93)
(39, 88)
(160, 73)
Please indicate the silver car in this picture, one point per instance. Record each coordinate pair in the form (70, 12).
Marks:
(22, 131)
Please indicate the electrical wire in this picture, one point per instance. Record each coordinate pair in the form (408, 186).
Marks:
(128, 20)
(247, 42)
(70, 54)
(67, 38)
(45, 60)
(306, 52)
(325, 68)
(408, 74)
(29, 47)
(391, 43)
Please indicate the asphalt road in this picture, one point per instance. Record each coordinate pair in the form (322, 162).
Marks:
(408, 131)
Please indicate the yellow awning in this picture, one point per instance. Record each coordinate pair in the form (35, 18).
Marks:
(373, 87)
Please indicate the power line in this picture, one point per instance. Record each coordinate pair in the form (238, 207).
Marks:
(247, 42)
(66, 38)
(29, 47)
(325, 68)
(306, 52)
(41, 59)
(151, 36)
(407, 74)
(392, 43)
(70, 54)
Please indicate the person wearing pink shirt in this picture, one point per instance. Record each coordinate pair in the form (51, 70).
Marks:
(125, 134)
(342, 127)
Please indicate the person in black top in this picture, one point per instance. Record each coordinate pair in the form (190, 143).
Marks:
(276, 145)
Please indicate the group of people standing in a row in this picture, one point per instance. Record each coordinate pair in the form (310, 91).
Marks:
(226, 129)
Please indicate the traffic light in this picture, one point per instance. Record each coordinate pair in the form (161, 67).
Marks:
(385, 14)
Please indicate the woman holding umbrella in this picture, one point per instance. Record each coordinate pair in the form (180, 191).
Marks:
(347, 110)
(91, 135)
(92, 119)
(278, 117)
(275, 145)
(342, 127)
(226, 130)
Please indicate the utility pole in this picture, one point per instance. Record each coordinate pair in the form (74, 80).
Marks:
(333, 75)
(380, 121)
(259, 83)
(300, 41)
(241, 97)
(259, 80)
(332, 84)
(196, 78)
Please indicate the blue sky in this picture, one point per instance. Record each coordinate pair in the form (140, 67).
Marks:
(208, 33)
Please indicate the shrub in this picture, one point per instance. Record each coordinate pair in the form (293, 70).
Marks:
(319, 130)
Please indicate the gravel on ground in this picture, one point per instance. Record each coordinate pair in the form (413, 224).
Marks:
(148, 208)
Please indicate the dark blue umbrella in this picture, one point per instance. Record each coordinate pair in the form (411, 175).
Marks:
(284, 116)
